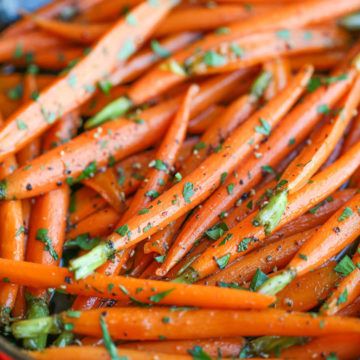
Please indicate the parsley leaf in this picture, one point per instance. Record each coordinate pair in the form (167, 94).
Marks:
(159, 296)
(188, 191)
(265, 127)
(222, 261)
(159, 50)
(217, 231)
(42, 235)
(258, 279)
(347, 212)
(345, 266)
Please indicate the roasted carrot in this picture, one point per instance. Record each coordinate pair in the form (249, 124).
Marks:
(291, 131)
(86, 153)
(340, 230)
(248, 234)
(353, 135)
(321, 61)
(352, 309)
(126, 288)
(203, 181)
(280, 76)
(37, 116)
(200, 123)
(292, 16)
(182, 324)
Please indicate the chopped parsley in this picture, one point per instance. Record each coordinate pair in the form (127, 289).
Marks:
(188, 191)
(161, 295)
(42, 235)
(222, 261)
(159, 50)
(345, 266)
(347, 212)
(265, 127)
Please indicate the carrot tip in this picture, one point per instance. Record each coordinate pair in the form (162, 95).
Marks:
(277, 283)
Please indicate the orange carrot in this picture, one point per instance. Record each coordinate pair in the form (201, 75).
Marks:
(200, 123)
(292, 16)
(291, 131)
(198, 185)
(279, 68)
(86, 153)
(246, 236)
(352, 309)
(127, 288)
(183, 324)
(72, 89)
(353, 135)
(321, 61)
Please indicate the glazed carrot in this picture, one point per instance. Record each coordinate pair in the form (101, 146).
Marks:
(340, 230)
(321, 61)
(99, 223)
(353, 135)
(99, 352)
(200, 123)
(347, 291)
(127, 288)
(292, 16)
(199, 18)
(106, 184)
(12, 239)
(279, 68)
(79, 33)
(48, 11)
(183, 324)
(352, 309)
(309, 290)
(146, 58)
(86, 153)
(32, 150)
(69, 91)
(19, 309)
(276, 254)
(259, 47)
(227, 347)
(342, 346)
(198, 185)
(291, 131)
(8, 81)
(246, 236)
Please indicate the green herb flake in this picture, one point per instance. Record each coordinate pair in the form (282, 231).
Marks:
(200, 145)
(213, 59)
(198, 353)
(122, 230)
(159, 50)
(343, 297)
(161, 295)
(223, 177)
(283, 34)
(177, 177)
(222, 261)
(188, 192)
(222, 30)
(258, 279)
(303, 257)
(345, 267)
(83, 242)
(230, 188)
(143, 211)
(244, 244)
(105, 86)
(159, 259)
(21, 125)
(217, 231)
(323, 109)
(268, 169)
(73, 314)
(131, 19)
(127, 50)
(158, 165)
(347, 212)
(165, 320)
(42, 235)
(265, 127)
(237, 50)
(152, 194)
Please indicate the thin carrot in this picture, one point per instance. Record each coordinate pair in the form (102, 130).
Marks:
(247, 235)
(348, 289)
(340, 230)
(353, 135)
(280, 70)
(200, 123)
(127, 288)
(79, 33)
(193, 187)
(321, 61)
(291, 16)
(86, 153)
(183, 324)
(309, 290)
(70, 90)
(340, 346)
(291, 131)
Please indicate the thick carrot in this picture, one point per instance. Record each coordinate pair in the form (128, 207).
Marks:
(292, 16)
(340, 230)
(79, 33)
(72, 89)
(352, 309)
(291, 131)
(321, 61)
(183, 324)
(99, 352)
(308, 291)
(248, 234)
(127, 288)
(227, 347)
(86, 153)
(346, 292)
(146, 58)
(343, 347)
(198, 185)
(276, 254)
(200, 123)
(51, 10)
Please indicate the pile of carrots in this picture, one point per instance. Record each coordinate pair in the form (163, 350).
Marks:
(181, 180)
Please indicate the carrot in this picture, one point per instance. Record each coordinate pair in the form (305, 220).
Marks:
(309, 290)
(86, 153)
(247, 235)
(106, 184)
(182, 324)
(321, 61)
(279, 68)
(127, 288)
(79, 33)
(353, 135)
(259, 47)
(200, 123)
(12, 240)
(291, 131)
(276, 254)
(198, 185)
(146, 58)
(352, 309)
(70, 90)
(49, 11)
(99, 352)
(99, 223)
(292, 16)
(341, 346)
(227, 347)
(340, 230)
(348, 289)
